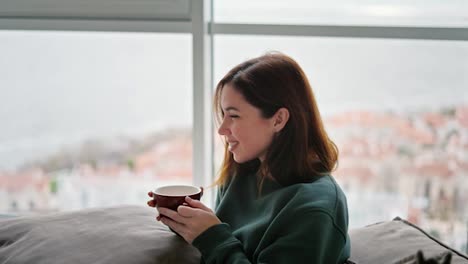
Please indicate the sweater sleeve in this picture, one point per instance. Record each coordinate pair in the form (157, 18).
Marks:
(309, 238)
(218, 245)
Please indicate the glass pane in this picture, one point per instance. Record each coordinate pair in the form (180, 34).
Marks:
(92, 118)
(452, 13)
(398, 111)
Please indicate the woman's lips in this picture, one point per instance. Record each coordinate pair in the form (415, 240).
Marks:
(232, 145)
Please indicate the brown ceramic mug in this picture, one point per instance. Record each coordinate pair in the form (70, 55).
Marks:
(171, 196)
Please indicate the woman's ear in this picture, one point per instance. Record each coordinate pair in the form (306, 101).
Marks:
(280, 118)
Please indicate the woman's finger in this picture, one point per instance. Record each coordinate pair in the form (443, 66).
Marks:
(150, 194)
(177, 227)
(186, 211)
(171, 214)
(151, 203)
(197, 204)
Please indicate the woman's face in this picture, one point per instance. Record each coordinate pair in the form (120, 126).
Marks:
(248, 134)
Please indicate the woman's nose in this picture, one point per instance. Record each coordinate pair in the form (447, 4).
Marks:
(222, 130)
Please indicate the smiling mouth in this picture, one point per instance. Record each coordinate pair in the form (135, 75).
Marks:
(232, 145)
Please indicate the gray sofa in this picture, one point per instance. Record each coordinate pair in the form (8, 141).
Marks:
(397, 242)
(129, 234)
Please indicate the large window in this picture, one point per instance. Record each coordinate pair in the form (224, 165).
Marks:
(98, 118)
(92, 118)
(398, 111)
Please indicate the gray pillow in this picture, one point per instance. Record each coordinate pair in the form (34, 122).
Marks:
(125, 234)
(396, 241)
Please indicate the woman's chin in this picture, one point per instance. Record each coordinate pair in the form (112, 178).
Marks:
(238, 159)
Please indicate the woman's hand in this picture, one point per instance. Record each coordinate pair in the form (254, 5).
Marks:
(188, 221)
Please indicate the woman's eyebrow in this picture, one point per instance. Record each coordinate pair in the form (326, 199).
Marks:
(231, 108)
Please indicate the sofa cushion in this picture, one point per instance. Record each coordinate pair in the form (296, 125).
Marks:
(125, 234)
(130, 234)
(397, 241)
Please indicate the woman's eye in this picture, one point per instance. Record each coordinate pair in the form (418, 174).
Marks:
(233, 116)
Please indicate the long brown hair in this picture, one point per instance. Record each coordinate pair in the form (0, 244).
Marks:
(302, 150)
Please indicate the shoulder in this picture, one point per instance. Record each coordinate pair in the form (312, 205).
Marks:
(323, 193)
(323, 196)
(314, 207)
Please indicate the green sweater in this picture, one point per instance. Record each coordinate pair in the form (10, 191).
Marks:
(301, 223)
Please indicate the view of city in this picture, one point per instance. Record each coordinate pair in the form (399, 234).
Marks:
(413, 165)
(99, 174)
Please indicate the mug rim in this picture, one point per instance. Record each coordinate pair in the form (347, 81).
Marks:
(196, 190)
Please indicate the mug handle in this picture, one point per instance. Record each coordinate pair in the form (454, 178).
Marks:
(201, 193)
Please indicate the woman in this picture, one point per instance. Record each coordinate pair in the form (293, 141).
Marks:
(277, 202)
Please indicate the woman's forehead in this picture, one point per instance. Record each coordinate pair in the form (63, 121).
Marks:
(231, 98)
